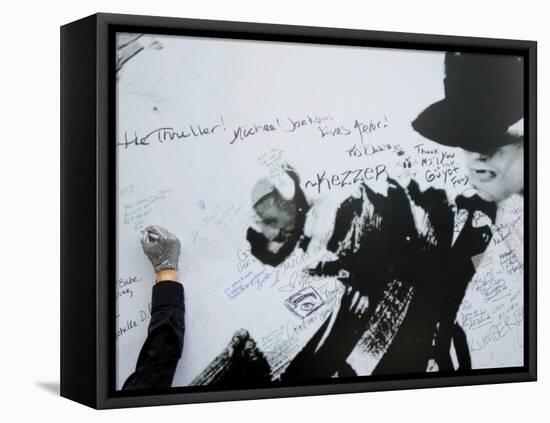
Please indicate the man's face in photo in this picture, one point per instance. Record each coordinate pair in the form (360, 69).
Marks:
(498, 174)
(276, 217)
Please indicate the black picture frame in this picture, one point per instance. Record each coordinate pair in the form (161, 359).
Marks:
(88, 206)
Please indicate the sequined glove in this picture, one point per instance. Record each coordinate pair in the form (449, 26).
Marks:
(161, 247)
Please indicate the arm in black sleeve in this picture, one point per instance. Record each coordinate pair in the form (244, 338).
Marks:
(162, 349)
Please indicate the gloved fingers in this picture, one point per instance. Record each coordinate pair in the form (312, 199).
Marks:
(165, 233)
(152, 231)
(149, 237)
(156, 232)
(145, 239)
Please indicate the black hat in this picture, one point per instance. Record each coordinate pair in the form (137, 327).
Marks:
(483, 98)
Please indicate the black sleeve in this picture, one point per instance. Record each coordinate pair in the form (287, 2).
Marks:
(162, 349)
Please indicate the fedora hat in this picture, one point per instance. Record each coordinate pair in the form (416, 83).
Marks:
(483, 98)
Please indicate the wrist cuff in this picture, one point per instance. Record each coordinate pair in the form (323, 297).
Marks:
(167, 293)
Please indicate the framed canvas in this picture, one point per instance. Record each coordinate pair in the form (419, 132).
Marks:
(257, 211)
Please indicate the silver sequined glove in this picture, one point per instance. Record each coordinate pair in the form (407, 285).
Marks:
(161, 247)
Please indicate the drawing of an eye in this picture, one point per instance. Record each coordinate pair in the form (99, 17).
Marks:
(304, 302)
(297, 300)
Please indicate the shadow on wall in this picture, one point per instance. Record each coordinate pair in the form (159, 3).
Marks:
(51, 387)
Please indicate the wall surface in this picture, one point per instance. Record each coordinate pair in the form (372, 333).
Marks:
(30, 193)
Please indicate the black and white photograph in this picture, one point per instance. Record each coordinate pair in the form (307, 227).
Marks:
(294, 213)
